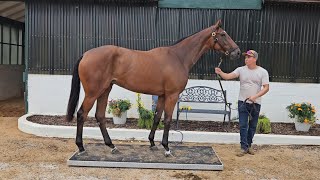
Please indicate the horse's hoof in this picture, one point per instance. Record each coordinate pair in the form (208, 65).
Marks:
(81, 152)
(114, 150)
(153, 148)
(168, 153)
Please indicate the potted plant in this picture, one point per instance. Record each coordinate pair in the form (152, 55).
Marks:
(303, 115)
(119, 109)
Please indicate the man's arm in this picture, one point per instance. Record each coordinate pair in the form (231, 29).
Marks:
(224, 75)
(263, 91)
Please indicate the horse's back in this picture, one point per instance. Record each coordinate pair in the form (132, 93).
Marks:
(135, 70)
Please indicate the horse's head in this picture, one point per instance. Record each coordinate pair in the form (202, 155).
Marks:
(222, 42)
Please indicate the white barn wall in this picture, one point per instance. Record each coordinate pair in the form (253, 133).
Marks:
(48, 94)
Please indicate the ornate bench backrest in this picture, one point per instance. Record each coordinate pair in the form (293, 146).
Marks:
(202, 94)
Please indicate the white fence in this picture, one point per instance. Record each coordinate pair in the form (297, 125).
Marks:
(48, 94)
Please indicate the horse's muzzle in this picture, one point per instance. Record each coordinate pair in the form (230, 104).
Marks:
(235, 54)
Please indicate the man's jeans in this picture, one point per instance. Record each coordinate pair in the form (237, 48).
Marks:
(247, 124)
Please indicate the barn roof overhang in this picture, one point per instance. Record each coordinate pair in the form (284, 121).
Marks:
(294, 1)
(15, 10)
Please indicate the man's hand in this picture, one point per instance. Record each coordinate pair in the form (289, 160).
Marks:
(264, 90)
(252, 98)
(217, 70)
(223, 75)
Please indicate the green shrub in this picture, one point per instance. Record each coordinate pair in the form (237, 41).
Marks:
(145, 116)
(264, 125)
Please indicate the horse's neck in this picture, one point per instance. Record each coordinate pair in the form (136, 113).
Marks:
(192, 48)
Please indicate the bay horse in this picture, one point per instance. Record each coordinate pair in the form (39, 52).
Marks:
(161, 71)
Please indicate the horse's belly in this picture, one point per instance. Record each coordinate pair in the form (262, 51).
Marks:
(143, 87)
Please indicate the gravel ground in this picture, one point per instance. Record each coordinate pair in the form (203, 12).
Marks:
(25, 156)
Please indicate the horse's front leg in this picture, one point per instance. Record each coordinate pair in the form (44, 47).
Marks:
(170, 102)
(156, 120)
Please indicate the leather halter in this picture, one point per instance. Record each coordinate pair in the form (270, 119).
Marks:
(216, 39)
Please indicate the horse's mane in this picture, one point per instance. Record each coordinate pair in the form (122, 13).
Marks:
(183, 38)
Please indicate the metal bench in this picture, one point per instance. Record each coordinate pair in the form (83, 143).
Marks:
(203, 94)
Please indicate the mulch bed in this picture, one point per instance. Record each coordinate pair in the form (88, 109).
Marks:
(209, 126)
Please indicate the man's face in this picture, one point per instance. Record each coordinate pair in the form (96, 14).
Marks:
(250, 60)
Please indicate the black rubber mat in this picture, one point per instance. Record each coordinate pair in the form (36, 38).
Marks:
(141, 156)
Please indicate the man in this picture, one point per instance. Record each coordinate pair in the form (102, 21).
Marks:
(254, 83)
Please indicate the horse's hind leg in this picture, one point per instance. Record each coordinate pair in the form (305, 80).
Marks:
(156, 120)
(81, 117)
(100, 116)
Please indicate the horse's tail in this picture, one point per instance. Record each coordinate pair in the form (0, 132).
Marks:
(75, 91)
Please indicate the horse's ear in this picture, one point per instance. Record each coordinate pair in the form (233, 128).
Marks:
(218, 24)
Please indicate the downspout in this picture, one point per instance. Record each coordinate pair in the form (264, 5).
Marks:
(26, 57)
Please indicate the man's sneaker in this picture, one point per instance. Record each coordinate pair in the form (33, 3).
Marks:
(250, 151)
(242, 152)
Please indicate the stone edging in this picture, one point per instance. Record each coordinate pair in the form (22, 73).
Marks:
(139, 134)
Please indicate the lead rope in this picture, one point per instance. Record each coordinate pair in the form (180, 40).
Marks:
(223, 92)
(219, 79)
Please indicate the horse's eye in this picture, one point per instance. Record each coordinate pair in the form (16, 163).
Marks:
(223, 34)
